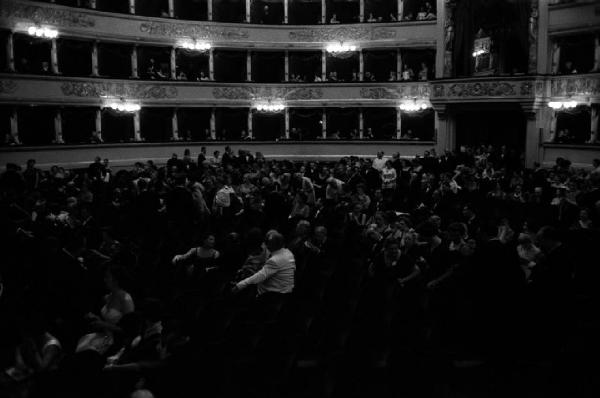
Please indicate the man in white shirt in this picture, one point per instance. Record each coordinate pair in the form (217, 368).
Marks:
(379, 162)
(277, 275)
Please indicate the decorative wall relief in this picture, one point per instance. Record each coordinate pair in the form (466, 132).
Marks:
(342, 33)
(477, 89)
(533, 37)
(265, 93)
(420, 91)
(449, 37)
(118, 90)
(575, 86)
(202, 32)
(7, 86)
(45, 15)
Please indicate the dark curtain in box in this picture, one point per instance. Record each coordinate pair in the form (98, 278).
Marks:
(5, 115)
(415, 58)
(307, 64)
(156, 124)
(229, 11)
(259, 15)
(74, 57)
(36, 124)
(422, 124)
(3, 41)
(473, 128)
(116, 126)
(152, 8)
(579, 50)
(506, 22)
(380, 64)
(121, 6)
(346, 11)
(230, 122)
(230, 66)
(306, 123)
(195, 10)
(114, 60)
(194, 123)
(268, 66)
(78, 124)
(192, 63)
(162, 62)
(342, 121)
(381, 9)
(304, 12)
(73, 3)
(577, 121)
(381, 121)
(268, 126)
(344, 65)
(30, 53)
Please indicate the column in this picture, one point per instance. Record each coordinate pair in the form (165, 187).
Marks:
(249, 66)
(323, 11)
(171, 8)
(10, 53)
(324, 124)
(248, 10)
(211, 64)
(533, 138)
(95, 68)
(134, 63)
(401, 9)
(533, 37)
(445, 47)
(286, 7)
(173, 63)
(14, 126)
(324, 65)
(54, 57)
(445, 131)
(132, 6)
(542, 37)
(98, 122)
(361, 124)
(93, 4)
(209, 7)
(594, 124)
(552, 131)
(361, 66)
(398, 123)
(250, 133)
(361, 15)
(137, 134)
(398, 65)
(58, 133)
(555, 62)
(286, 75)
(287, 123)
(175, 125)
(213, 124)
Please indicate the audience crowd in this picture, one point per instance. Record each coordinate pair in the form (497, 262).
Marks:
(236, 275)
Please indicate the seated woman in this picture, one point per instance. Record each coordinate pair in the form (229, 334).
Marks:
(200, 258)
(117, 303)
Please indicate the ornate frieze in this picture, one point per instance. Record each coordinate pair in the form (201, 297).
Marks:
(257, 93)
(7, 86)
(45, 15)
(575, 86)
(124, 90)
(197, 31)
(482, 89)
(396, 93)
(342, 33)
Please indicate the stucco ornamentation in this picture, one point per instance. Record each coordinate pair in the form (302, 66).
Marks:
(118, 90)
(45, 15)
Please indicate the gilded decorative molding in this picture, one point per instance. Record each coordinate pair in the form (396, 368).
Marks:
(395, 93)
(7, 86)
(45, 15)
(257, 93)
(477, 89)
(125, 90)
(342, 33)
(578, 86)
(204, 32)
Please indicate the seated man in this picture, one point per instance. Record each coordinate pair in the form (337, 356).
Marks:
(277, 275)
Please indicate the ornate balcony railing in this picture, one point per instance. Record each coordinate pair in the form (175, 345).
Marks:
(17, 15)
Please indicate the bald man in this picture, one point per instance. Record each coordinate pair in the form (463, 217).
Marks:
(277, 275)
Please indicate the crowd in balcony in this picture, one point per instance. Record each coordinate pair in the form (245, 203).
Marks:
(158, 280)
